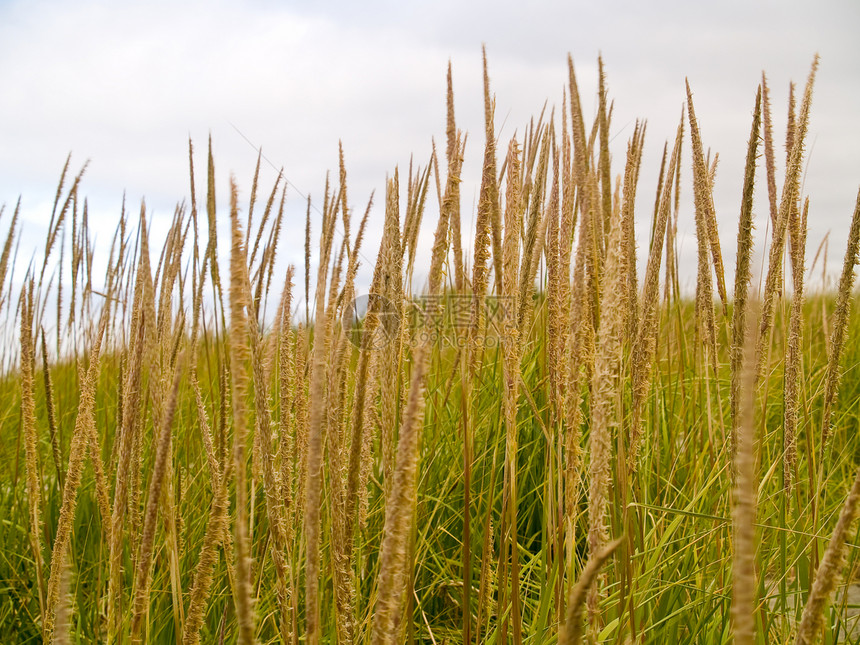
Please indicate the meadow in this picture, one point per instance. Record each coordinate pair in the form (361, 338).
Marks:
(537, 444)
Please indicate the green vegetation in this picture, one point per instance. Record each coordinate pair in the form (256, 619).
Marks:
(537, 446)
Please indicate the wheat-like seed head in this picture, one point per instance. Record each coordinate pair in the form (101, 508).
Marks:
(840, 322)
(744, 258)
(789, 197)
(645, 341)
(239, 341)
(605, 414)
(73, 479)
(28, 421)
(317, 405)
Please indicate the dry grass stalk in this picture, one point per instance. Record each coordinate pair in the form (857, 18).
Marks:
(789, 198)
(712, 168)
(829, 571)
(770, 164)
(580, 152)
(400, 506)
(840, 322)
(589, 197)
(57, 219)
(28, 421)
(63, 627)
(661, 177)
(604, 161)
(556, 289)
(206, 434)
(102, 492)
(631, 294)
(77, 451)
(363, 400)
(791, 131)
(625, 202)
(568, 209)
(144, 304)
(399, 512)
(790, 137)
(212, 244)
(128, 437)
(52, 416)
(127, 470)
(793, 358)
(238, 339)
(644, 346)
(581, 342)
(147, 540)
(705, 318)
(308, 260)
(317, 398)
(391, 289)
(571, 632)
(286, 392)
(511, 356)
(704, 199)
(454, 157)
(300, 403)
(274, 238)
(743, 273)
(605, 413)
(216, 531)
(672, 265)
(487, 233)
(7, 250)
(536, 226)
(416, 201)
(745, 501)
(271, 480)
(485, 228)
(135, 477)
(490, 175)
(267, 212)
(566, 234)
(341, 535)
(170, 331)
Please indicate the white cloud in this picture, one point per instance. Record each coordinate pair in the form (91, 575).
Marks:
(125, 85)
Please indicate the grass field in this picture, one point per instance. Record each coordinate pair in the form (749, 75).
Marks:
(537, 445)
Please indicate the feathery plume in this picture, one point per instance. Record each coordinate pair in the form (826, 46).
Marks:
(238, 339)
(605, 414)
(840, 322)
(644, 345)
(704, 197)
(313, 485)
(744, 258)
(789, 197)
(159, 469)
(791, 389)
(74, 471)
(28, 421)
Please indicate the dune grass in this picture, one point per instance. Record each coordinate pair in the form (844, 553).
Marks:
(532, 447)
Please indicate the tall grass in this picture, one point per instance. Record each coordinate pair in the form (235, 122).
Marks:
(523, 444)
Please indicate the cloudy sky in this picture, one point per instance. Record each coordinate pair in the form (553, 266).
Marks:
(125, 86)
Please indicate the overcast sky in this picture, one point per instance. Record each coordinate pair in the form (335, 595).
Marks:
(125, 86)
